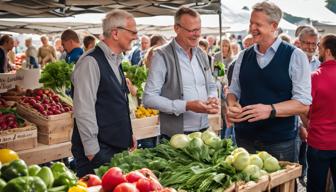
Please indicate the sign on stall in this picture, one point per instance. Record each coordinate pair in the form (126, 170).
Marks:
(25, 78)
(8, 81)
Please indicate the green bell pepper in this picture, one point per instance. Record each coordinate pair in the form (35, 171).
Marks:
(2, 184)
(62, 175)
(33, 170)
(25, 184)
(46, 175)
(16, 168)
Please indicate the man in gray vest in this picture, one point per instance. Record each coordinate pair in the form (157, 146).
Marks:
(180, 84)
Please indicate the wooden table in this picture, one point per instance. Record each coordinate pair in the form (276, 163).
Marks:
(46, 153)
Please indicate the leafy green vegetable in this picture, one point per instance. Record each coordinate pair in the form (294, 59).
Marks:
(57, 76)
(137, 75)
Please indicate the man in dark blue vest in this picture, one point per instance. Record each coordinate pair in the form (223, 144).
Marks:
(102, 117)
(270, 84)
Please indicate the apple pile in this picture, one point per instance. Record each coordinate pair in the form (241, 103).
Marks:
(45, 101)
(142, 180)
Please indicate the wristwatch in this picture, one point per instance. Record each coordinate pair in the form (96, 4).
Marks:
(273, 112)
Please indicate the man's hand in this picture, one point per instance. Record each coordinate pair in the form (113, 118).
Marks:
(202, 107)
(213, 102)
(256, 112)
(303, 134)
(233, 112)
(134, 144)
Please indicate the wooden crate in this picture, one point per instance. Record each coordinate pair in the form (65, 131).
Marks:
(52, 129)
(46, 153)
(146, 127)
(283, 180)
(19, 139)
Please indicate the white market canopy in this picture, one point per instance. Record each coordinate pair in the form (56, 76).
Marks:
(312, 9)
(66, 8)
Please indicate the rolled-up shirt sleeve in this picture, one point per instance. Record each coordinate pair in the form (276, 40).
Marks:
(235, 85)
(152, 95)
(299, 72)
(86, 78)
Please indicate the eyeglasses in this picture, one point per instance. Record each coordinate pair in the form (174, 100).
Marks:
(309, 43)
(190, 30)
(131, 31)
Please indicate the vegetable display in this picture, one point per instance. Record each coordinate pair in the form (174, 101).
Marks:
(9, 119)
(17, 176)
(57, 76)
(45, 101)
(197, 162)
(137, 75)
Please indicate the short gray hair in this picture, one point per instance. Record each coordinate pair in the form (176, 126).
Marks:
(270, 9)
(113, 19)
(308, 30)
(184, 11)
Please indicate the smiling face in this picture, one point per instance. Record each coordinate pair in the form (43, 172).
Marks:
(261, 28)
(188, 30)
(308, 44)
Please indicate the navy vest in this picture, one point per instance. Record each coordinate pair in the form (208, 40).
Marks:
(269, 85)
(112, 111)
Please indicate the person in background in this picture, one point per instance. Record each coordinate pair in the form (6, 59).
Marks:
(60, 53)
(225, 55)
(203, 44)
(89, 42)
(11, 58)
(285, 37)
(308, 38)
(270, 85)
(155, 42)
(71, 44)
(213, 48)
(248, 41)
(321, 119)
(6, 44)
(138, 54)
(100, 92)
(184, 104)
(235, 49)
(31, 55)
(46, 53)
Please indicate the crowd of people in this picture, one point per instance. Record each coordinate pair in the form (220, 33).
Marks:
(279, 94)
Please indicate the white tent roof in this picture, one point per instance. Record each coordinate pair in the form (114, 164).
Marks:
(312, 9)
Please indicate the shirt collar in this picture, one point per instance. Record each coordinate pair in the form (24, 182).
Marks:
(274, 47)
(109, 54)
(180, 49)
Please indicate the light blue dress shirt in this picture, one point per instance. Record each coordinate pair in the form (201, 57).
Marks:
(314, 64)
(299, 72)
(194, 88)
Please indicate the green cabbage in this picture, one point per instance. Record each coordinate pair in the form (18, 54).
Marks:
(179, 141)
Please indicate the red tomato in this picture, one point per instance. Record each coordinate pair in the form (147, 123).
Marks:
(126, 187)
(147, 185)
(91, 180)
(112, 178)
(134, 176)
(148, 173)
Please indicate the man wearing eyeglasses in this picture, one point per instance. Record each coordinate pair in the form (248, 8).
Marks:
(102, 117)
(308, 38)
(270, 85)
(180, 84)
